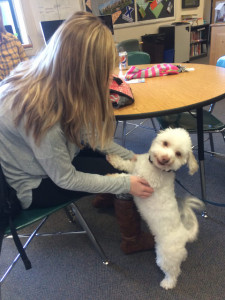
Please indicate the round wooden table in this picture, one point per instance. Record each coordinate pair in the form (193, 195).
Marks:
(175, 93)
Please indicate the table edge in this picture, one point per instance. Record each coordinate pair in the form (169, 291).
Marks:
(170, 111)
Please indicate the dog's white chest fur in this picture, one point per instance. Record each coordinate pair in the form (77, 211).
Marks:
(156, 208)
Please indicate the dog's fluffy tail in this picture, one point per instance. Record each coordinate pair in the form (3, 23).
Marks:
(187, 207)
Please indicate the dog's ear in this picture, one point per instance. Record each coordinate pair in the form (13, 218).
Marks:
(192, 163)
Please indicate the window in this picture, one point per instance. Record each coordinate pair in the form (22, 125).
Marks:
(12, 15)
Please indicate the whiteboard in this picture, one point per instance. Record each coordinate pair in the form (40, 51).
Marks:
(56, 9)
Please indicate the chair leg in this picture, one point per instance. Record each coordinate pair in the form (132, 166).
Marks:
(153, 124)
(223, 134)
(84, 225)
(31, 236)
(211, 142)
(124, 132)
(212, 152)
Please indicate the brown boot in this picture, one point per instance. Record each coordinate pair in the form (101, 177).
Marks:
(103, 200)
(133, 239)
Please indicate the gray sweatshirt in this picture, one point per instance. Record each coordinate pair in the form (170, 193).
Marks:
(25, 164)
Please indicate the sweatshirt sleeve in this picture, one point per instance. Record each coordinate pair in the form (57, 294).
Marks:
(53, 156)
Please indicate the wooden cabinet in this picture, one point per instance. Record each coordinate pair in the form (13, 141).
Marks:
(217, 43)
(199, 41)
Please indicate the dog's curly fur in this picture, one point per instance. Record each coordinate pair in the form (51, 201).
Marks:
(172, 222)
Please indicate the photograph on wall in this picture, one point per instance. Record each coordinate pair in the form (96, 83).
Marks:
(154, 9)
(122, 11)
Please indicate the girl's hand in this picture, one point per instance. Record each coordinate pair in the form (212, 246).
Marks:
(134, 158)
(140, 187)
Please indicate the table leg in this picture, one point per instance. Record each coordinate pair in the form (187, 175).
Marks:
(200, 134)
(124, 132)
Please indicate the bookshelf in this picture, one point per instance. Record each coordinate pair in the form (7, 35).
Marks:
(199, 41)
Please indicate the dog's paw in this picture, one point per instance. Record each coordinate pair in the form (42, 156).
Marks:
(113, 159)
(120, 163)
(168, 283)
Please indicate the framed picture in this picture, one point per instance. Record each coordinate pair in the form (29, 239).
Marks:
(190, 3)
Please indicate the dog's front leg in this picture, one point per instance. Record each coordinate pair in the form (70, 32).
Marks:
(120, 163)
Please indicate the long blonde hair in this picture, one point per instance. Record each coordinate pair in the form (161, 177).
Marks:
(68, 82)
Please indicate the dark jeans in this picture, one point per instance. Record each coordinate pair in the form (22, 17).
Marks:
(49, 194)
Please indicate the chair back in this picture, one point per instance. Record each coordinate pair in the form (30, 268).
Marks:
(138, 58)
(129, 45)
(221, 62)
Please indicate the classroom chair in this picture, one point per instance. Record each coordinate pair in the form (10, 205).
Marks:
(129, 45)
(138, 58)
(32, 216)
(221, 62)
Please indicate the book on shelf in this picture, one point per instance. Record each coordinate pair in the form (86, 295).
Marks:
(192, 19)
(198, 35)
(196, 50)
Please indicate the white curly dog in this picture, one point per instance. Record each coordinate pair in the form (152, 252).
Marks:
(172, 222)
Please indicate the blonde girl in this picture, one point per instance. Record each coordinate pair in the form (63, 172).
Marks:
(57, 123)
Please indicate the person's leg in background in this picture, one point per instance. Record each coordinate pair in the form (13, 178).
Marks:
(133, 238)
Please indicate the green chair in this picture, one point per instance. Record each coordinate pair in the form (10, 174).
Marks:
(129, 45)
(138, 58)
(28, 217)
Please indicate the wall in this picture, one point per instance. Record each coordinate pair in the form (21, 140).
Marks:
(207, 10)
(33, 17)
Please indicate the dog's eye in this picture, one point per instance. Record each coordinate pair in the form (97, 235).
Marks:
(165, 144)
(178, 154)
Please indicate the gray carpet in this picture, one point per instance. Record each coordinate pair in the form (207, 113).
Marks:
(68, 267)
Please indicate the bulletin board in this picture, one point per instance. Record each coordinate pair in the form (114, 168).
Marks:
(156, 9)
(122, 11)
(132, 11)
